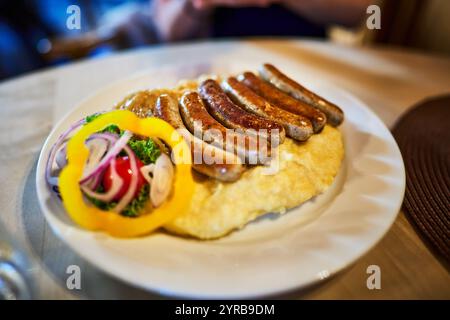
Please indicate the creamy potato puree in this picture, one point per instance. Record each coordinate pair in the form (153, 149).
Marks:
(305, 170)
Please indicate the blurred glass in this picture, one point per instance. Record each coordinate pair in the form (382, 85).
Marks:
(15, 269)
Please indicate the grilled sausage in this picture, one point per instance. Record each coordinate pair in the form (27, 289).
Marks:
(199, 121)
(230, 167)
(284, 101)
(271, 74)
(141, 103)
(204, 126)
(230, 115)
(297, 127)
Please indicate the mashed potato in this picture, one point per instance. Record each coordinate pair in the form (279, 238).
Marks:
(305, 170)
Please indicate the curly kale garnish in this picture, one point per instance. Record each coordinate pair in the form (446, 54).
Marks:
(138, 203)
(146, 150)
(132, 209)
(92, 117)
(107, 206)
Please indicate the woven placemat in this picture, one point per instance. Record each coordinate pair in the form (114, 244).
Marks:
(423, 135)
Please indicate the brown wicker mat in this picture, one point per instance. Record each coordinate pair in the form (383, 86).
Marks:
(423, 135)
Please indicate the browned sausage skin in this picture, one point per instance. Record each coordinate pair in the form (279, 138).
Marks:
(297, 127)
(199, 121)
(204, 126)
(271, 74)
(166, 108)
(282, 100)
(230, 167)
(230, 115)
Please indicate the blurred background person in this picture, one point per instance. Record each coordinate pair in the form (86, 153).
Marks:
(237, 18)
(34, 34)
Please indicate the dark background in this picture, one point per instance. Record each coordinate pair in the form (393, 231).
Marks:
(33, 34)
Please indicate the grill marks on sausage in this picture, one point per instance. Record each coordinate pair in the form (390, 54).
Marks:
(230, 115)
(271, 74)
(229, 167)
(284, 101)
(239, 122)
(296, 126)
(200, 123)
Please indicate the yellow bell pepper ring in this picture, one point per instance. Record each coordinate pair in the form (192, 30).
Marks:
(93, 218)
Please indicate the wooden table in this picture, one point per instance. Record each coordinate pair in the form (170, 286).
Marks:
(388, 80)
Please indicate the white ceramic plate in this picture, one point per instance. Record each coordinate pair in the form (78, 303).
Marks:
(271, 255)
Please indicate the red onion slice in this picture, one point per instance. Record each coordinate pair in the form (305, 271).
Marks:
(97, 149)
(61, 156)
(117, 183)
(111, 154)
(94, 182)
(51, 180)
(111, 137)
(108, 139)
(129, 195)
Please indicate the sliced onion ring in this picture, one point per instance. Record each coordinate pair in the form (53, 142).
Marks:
(129, 195)
(51, 180)
(146, 170)
(111, 154)
(97, 149)
(107, 138)
(162, 180)
(117, 183)
(60, 157)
